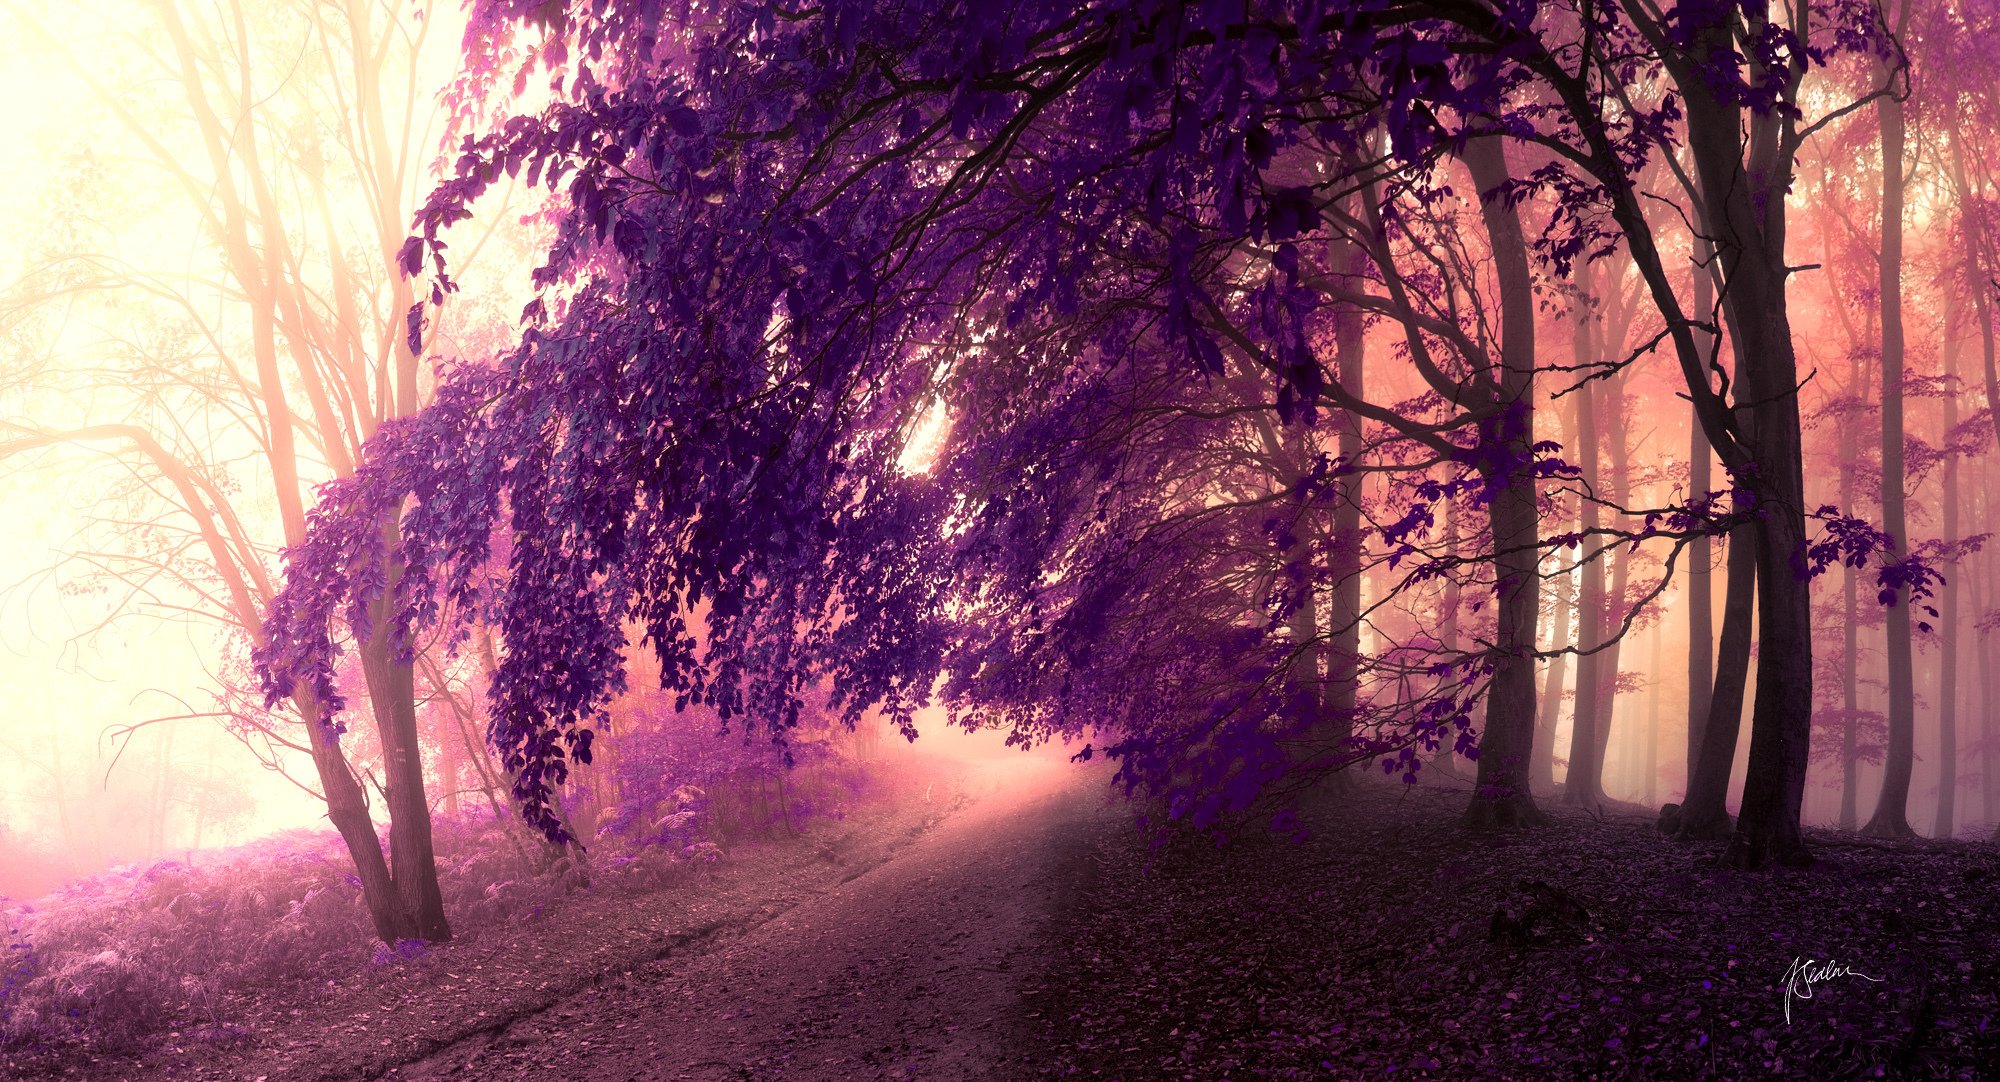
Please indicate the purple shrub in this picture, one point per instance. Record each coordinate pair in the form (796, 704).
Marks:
(404, 950)
(122, 955)
(682, 777)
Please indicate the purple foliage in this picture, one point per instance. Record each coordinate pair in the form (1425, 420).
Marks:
(1913, 576)
(403, 950)
(674, 766)
(789, 235)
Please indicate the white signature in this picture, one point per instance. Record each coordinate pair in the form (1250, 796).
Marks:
(1806, 972)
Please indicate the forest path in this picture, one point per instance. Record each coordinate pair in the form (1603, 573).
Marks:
(916, 968)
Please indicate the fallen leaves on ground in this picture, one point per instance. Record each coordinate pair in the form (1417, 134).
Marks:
(1372, 950)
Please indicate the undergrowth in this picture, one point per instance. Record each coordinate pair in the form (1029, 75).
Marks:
(106, 962)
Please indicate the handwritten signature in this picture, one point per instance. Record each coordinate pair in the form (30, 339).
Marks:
(1806, 972)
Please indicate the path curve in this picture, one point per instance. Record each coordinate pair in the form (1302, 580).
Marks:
(914, 969)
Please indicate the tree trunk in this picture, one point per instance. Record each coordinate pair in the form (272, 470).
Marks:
(1617, 483)
(1744, 175)
(1705, 811)
(1448, 609)
(1989, 720)
(1543, 770)
(1602, 600)
(1305, 688)
(1978, 265)
(391, 691)
(448, 762)
(1343, 647)
(1891, 808)
(1652, 757)
(1583, 785)
(1850, 632)
(1774, 781)
(1501, 797)
(392, 695)
(1850, 767)
(347, 810)
(1701, 551)
(1947, 630)
(1982, 646)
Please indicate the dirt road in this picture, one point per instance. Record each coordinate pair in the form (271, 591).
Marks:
(923, 967)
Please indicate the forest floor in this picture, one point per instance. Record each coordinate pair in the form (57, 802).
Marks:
(1372, 950)
(1033, 934)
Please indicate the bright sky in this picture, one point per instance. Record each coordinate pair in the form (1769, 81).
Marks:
(66, 687)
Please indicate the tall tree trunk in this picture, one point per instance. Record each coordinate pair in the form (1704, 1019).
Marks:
(1980, 577)
(1604, 580)
(1652, 757)
(1583, 785)
(1306, 689)
(1501, 796)
(1617, 484)
(1947, 630)
(1850, 632)
(1744, 170)
(392, 694)
(1343, 647)
(1989, 715)
(325, 363)
(448, 766)
(347, 810)
(1441, 758)
(1850, 767)
(1705, 811)
(1701, 551)
(1978, 266)
(1891, 808)
(1781, 730)
(1543, 771)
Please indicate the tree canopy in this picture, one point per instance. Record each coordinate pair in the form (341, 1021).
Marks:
(1089, 252)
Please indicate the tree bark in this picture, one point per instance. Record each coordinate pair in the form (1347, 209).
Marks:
(1744, 172)
(1343, 647)
(347, 810)
(1891, 808)
(1501, 796)
(1947, 630)
(1989, 717)
(1583, 785)
(1543, 771)
(1850, 632)
(413, 863)
(1982, 652)
(1441, 758)
(1652, 758)
(392, 696)
(1705, 811)
(263, 261)
(448, 757)
(1701, 551)
(1850, 767)
(1617, 483)
(1978, 265)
